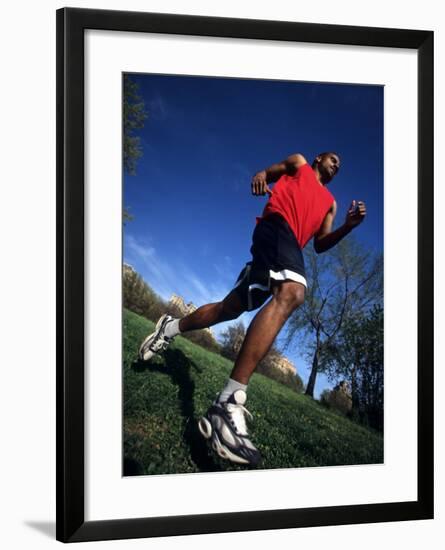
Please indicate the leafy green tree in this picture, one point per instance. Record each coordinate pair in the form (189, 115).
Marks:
(344, 282)
(127, 217)
(134, 116)
(139, 297)
(356, 354)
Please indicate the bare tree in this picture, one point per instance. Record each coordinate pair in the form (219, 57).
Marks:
(232, 340)
(344, 282)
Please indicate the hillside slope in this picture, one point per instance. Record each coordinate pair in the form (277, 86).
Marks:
(164, 398)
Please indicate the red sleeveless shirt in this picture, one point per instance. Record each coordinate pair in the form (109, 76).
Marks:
(302, 201)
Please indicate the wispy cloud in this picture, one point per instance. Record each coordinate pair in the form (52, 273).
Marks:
(145, 259)
(202, 292)
(168, 277)
(237, 176)
(157, 108)
(224, 268)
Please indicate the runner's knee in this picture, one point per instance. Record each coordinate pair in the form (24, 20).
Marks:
(290, 295)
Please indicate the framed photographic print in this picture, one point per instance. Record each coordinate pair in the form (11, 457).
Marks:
(245, 263)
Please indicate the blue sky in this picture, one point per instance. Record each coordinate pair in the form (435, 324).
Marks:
(203, 141)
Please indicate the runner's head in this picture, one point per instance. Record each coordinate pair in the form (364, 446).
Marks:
(327, 164)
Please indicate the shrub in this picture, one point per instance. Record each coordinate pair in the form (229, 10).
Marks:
(286, 377)
(324, 398)
(203, 339)
(139, 297)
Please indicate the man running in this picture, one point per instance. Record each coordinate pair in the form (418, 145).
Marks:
(299, 208)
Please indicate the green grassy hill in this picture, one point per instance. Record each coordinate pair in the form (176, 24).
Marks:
(164, 399)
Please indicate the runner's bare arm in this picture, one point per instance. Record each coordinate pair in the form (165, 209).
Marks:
(325, 238)
(288, 166)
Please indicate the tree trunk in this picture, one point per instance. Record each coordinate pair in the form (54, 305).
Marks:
(354, 393)
(311, 383)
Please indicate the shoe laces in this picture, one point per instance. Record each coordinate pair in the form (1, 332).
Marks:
(237, 413)
(160, 343)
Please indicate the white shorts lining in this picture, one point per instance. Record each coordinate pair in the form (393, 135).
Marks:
(287, 274)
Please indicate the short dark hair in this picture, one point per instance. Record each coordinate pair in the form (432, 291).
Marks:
(323, 155)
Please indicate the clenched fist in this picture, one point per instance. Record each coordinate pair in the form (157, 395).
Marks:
(356, 214)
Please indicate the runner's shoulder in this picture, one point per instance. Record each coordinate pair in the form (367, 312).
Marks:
(297, 159)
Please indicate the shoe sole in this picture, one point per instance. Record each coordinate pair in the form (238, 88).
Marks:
(149, 354)
(205, 427)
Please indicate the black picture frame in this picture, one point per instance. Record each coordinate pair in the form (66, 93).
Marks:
(71, 24)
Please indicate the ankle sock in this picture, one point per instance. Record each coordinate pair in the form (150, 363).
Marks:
(230, 387)
(172, 328)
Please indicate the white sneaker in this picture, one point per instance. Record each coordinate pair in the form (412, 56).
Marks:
(225, 424)
(157, 341)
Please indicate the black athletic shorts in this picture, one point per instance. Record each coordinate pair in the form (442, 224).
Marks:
(276, 256)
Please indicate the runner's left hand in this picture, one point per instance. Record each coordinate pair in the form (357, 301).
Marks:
(356, 214)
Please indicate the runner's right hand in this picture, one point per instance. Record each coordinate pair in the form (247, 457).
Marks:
(259, 184)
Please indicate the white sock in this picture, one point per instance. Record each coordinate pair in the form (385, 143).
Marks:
(230, 387)
(172, 328)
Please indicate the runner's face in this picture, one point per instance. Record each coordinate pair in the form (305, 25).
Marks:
(329, 166)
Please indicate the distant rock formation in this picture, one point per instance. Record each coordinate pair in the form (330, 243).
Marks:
(178, 302)
(340, 397)
(343, 387)
(281, 363)
(185, 309)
